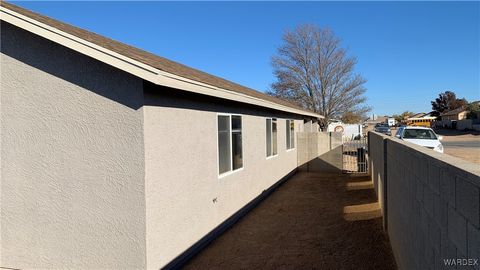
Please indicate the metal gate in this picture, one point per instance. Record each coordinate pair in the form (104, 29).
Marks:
(355, 154)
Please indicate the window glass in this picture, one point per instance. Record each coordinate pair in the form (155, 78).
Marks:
(237, 158)
(224, 160)
(419, 134)
(274, 136)
(399, 132)
(236, 122)
(292, 134)
(287, 128)
(269, 137)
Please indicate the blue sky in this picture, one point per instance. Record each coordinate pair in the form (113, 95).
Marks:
(408, 51)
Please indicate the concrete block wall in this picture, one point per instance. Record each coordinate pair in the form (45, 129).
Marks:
(335, 140)
(443, 123)
(433, 205)
(377, 164)
(464, 124)
(308, 145)
(312, 145)
(319, 151)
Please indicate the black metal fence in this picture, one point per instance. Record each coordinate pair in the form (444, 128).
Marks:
(355, 154)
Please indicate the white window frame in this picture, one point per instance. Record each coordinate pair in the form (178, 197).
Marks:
(271, 136)
(291, 134)
(221, 175)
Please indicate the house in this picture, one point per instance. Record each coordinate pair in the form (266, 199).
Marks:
(113, 157)
(455, 115)
(375, 119)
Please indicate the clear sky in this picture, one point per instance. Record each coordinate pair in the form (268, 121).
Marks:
(408, 51)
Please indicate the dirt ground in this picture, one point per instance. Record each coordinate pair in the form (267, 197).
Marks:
(461, 144)
(465, 154)
(313, 221)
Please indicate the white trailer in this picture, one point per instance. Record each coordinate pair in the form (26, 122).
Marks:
(391, 122)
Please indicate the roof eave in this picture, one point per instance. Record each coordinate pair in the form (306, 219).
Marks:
(137, 68)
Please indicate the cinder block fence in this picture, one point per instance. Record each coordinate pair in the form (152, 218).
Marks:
(431, 204)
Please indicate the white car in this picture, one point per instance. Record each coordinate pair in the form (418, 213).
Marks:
(422, 136)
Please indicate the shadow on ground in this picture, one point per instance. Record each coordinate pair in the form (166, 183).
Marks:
(330, 162)
(454, 132)
(314, 220)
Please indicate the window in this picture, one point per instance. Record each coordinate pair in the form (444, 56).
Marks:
(271, 137)
(237, 159)
(426, 134)
(229, 143)
(290, 128)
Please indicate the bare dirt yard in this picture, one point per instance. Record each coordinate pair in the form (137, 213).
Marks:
(461, 144)
(313, 221)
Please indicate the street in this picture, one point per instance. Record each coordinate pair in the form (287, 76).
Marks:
(462, 144)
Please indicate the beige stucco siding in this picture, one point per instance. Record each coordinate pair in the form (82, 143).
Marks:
(72, 169)
(185, 198)
(101, 170)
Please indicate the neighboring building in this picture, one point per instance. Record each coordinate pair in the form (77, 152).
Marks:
(455, 115)
(114, 158)
(374, 119)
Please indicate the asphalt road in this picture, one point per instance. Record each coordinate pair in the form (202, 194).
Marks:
(462, 144)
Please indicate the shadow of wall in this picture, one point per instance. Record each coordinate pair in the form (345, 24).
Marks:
(319, 152)
(330, 161)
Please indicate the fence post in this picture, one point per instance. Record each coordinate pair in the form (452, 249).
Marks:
(330, 140)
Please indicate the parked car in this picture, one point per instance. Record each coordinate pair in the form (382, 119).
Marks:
(422, 136)
(383, 128)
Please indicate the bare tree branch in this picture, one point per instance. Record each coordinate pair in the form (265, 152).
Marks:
(314, 72)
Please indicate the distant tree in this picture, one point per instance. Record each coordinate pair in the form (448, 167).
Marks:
(400, 117)
(314, 71)
(350, 117)
(473, 109)
(445, 102)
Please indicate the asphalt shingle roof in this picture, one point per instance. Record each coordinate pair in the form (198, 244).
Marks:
(148, 58)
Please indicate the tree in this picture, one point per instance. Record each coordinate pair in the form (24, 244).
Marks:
(350, 117)
(473, 109)
(314, 72)
(445, 102)
(400, 117)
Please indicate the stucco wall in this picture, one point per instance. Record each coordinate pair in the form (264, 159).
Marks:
(433, 206)
(185, 198)
(308, 126)
(72, 170)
